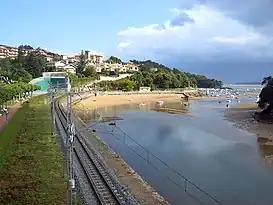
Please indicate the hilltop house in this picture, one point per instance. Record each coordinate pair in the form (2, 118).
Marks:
(62, 66)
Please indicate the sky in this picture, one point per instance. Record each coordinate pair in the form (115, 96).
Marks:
(229, 40)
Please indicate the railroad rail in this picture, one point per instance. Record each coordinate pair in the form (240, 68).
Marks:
(107, 190)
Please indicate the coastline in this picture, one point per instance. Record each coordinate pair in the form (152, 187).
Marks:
(112, 100)
(138, 187)
(241, 116)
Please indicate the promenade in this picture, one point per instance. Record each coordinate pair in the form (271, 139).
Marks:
(12, 110)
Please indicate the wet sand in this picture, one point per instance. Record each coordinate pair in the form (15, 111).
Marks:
(241, 116)
(112, 100)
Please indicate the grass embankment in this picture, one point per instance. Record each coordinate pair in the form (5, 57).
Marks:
(32, 168)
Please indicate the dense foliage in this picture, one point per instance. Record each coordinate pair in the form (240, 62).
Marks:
(24, 67)
(16, 73)
(158, 76)
(114, 59)
(123, 84)
(267, 80)
(8, 92)
(78, 80)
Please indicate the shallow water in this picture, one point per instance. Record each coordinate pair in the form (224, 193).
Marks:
(225, 162)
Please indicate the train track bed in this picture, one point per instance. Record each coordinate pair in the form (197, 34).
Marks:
(98, 182)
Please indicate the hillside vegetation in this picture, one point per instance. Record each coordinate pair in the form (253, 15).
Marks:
(158, 76)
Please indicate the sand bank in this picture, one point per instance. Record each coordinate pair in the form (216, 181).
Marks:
(241, 115)
(112, 100)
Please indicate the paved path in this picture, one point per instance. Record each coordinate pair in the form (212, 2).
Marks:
(12, 110)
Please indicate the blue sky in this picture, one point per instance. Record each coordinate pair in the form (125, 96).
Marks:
(69, 25)
(230, 40)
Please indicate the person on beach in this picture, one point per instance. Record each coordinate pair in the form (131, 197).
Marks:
(228, 102)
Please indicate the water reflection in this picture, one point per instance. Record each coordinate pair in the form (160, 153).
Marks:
(97, 113)
(266, 148)
(204, 148)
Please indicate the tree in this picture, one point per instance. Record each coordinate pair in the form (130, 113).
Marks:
(81, 64)
(21, 54)
(113, 60)
(126, 85)
(266, 80)
(9, 91)
(35, 64)
(20, 74)
(162, 80)
(90, 71)
(185, 81)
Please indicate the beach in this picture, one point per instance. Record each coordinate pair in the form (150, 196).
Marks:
(112, 100)
(241, 116)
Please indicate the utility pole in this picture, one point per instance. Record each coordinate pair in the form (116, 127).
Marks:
(53, 106)
(70, 147)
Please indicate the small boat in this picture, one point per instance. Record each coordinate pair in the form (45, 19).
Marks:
(112, 123)
(141, 104)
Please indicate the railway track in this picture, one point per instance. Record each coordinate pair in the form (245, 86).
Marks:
(105, 187)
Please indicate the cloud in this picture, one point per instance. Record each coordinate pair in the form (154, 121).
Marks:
(197, 31)
(124, 44)
(252, 12)
(205, 31)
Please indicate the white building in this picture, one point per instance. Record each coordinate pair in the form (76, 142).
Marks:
(131, 67)
(69, 68)
(62, 66)
(94, 57)
(49, 59)
(8, 52)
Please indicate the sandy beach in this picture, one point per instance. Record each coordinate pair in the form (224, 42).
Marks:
(111, 100)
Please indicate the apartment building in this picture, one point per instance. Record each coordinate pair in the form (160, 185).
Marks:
(8, 52)
(93, 57)
(12, 52)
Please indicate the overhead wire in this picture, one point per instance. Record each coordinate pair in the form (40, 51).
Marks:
(148, 153)
(160, 171)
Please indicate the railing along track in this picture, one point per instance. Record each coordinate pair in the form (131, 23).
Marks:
(105, 187)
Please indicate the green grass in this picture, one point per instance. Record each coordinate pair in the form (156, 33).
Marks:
(32, 168)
